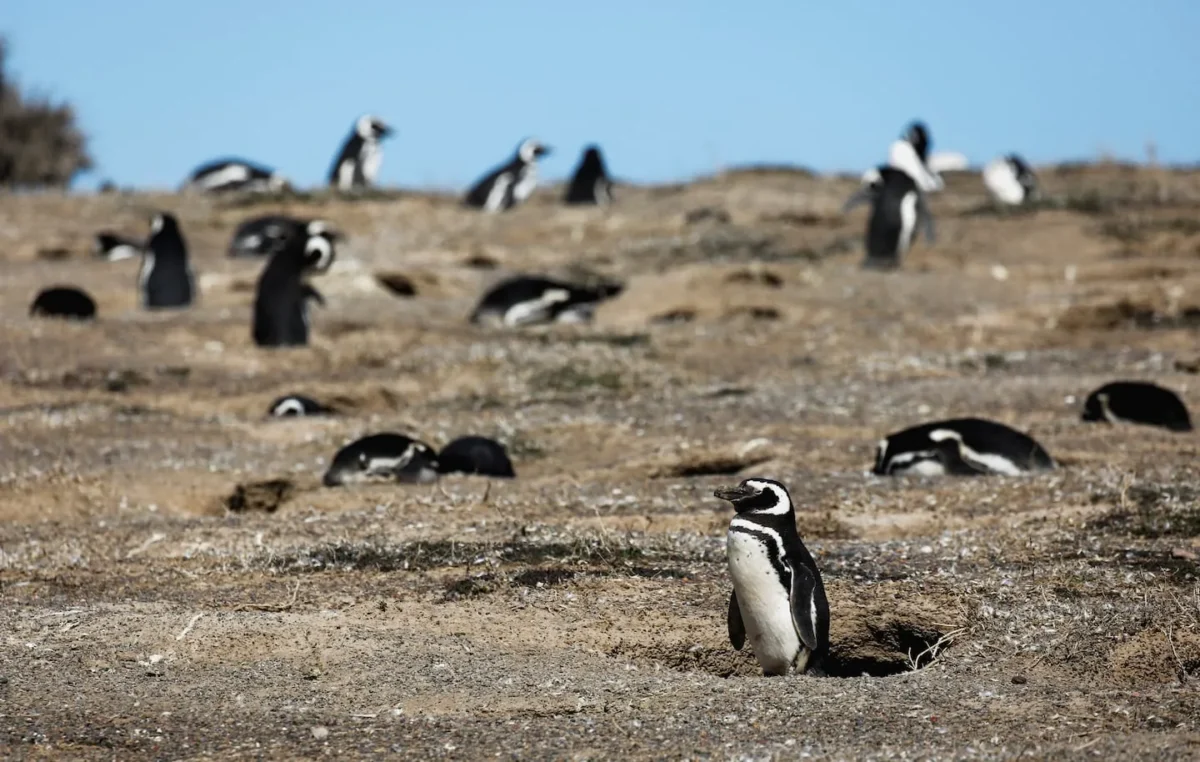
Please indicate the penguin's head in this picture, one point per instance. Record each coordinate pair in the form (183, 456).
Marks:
(294, 405)
(163, 222)
(531, 150)
(918, 135)
(319, 252)
(475, 455)
(382, 458)
(591, 157)
(370, 128)
(1095, 407)
(757, 496)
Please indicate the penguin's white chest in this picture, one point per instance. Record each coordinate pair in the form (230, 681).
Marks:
(764, 603)
(1002, 182)
(908, 221)
(525, 183)
(371, 159)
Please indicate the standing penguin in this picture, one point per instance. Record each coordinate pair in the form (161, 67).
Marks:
(508, 185)
(897, 207)
(590, 183)
(778, 597)
(1010, 180)
(166, 279)
(282, 296)
(357, 165)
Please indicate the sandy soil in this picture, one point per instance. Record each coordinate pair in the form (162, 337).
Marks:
(578, 612)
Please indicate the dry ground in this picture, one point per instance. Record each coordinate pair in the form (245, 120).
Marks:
(578, 612)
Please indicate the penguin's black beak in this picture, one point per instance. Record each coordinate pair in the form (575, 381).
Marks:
(332, 478)
(383, 130)
(542, 151)
(736, 494)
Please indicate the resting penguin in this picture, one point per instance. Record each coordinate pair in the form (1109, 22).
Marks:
(1137, 402)
(114, 248)
(475, 455)
(357, 164)
(526, 300)
(508, 185)
(1010, 180)
(296, 405)
(234, 175)
(282, 295)
(960, 447)
(897, 207)
(590, 183)
(778, 598)
(166, 280)
(259, 236)
(383, 457)
(63, 302)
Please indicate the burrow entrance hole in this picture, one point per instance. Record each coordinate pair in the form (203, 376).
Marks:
(891, 648)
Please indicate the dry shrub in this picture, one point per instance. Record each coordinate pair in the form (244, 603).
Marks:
(40, 145)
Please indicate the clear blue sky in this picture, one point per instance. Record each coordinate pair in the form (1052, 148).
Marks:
(669, 88)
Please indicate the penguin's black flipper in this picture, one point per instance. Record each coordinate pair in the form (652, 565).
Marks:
(863, 195)
(314, 294)
(805, 606)
(926, 219)
(737, 630)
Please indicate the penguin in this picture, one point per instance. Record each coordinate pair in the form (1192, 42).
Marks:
(590, 183)
(383, 457)
(259, 236)
(508, 185)
(1010, 180)
(526, 300)
(282, 294)
(63, 302)
(778, 598)
(166, 279)
(475, 455)
(113, 248)
(960, 447)
(910, 153)
(295, 405)
(357, 165)
(898, 207)
(1137, 402)
(235, 175)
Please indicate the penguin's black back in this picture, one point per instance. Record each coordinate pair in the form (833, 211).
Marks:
(525, 288)
(63, 302)
(280, 300)
(886, 222)
(351, 150)
(475, 455)
(981, 435)
(590, 183)
(259, 236)
(1138, 402)
(169, 282)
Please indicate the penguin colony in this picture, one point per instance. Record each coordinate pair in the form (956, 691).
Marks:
(778, 602)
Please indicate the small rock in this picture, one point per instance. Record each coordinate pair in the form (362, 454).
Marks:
(1019, 679)
(320, 732)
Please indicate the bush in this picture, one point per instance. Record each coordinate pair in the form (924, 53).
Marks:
(40, 145)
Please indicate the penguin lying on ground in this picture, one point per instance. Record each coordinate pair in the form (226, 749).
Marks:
(394, 457)
(114, 248)
(385, 457)
(1010, 180)
(296, 405)
(357, 164)
(778, 598)
(282, 295)
(590, 183)
(63, 302)
(510, 184)
(1137, 402)
(898, 207)
(166, 280)
(234, 175)
(526, 300)
(960, 447)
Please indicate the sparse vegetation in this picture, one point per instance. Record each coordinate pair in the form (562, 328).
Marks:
(40, 143)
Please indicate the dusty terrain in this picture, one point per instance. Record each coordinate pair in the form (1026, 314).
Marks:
(578, 612)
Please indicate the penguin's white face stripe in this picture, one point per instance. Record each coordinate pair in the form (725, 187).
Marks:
(495, 198)
(881, 452)
(288, 407)
(988, 461)
(1106, 410)
(783, 504)
(156, 224)
(908, 221)
(527, 151)
(534, 309)
(230, 173)
(320, 246)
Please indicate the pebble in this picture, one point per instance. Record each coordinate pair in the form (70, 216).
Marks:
(320, 732)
